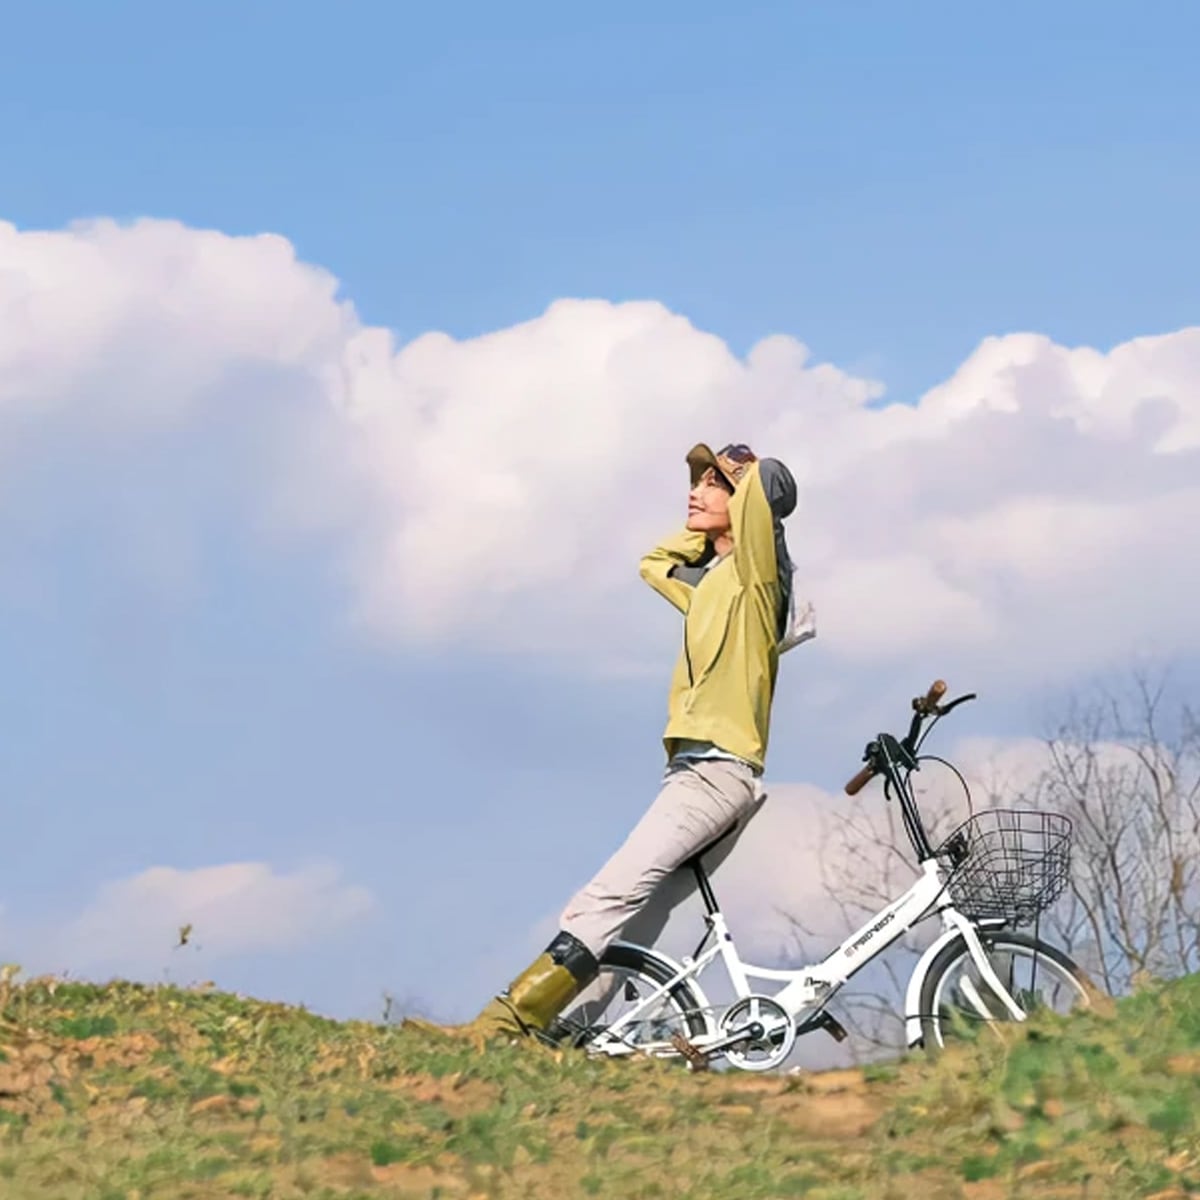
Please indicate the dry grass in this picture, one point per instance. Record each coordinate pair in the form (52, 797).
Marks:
(127, 1092)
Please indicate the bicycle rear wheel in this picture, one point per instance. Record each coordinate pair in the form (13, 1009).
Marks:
(628, 974)
(957, 1003)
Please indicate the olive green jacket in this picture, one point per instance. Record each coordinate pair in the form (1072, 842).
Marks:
(724, 680)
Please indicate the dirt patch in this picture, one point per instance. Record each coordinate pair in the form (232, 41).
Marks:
(1184, 1064)
(457, 1094)
(35, 1068)
(220, 1103)
(346, 1170)
(19, 1077)
(28, 1075)
(836, 1115)
(833, 1104)
(129, 1050)
(419, 1181)
(824, 1083)
(986, 1189)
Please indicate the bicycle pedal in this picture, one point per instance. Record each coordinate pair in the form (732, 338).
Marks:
(697, 1058)
(833, 1027)
(562, 1033)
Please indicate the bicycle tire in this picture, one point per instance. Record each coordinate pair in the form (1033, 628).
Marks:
(953, 952)
(639, 962)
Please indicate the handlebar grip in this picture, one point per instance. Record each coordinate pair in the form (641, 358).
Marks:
(935, 693)
(860, 780)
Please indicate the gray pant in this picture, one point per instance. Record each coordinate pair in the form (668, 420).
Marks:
(635, 892)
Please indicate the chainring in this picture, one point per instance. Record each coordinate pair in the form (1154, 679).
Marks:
(779, 1033)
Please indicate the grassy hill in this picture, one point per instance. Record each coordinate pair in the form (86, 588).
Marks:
(128, 1092)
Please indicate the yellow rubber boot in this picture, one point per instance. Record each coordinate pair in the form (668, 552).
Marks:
(495, 1021)
(533, 999)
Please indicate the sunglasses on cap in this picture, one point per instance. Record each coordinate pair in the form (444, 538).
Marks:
(733, 461)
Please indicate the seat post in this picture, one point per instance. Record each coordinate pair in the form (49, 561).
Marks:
(706, 892)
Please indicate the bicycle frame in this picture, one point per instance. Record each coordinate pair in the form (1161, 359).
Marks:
(808, 989)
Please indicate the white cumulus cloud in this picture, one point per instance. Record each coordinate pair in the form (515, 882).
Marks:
(233, 909)
(1032, 512)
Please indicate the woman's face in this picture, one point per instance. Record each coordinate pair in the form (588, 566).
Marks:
(708, 506)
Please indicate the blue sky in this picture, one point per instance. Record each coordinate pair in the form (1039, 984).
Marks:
(888, 184)
(895, 183)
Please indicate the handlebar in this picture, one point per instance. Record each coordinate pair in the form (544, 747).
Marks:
(860, 781)
(923, 706)
(927, 704)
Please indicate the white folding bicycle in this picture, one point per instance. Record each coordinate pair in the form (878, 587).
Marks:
(997, 871)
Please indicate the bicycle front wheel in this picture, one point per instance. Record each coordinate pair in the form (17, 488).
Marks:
(628, 977)
(957, 1002)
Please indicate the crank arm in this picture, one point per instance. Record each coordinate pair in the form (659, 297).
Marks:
(752, 1032)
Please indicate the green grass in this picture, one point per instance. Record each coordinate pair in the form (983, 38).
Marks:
(131, 1092)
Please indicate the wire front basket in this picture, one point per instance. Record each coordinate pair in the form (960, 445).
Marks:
(1008, 864)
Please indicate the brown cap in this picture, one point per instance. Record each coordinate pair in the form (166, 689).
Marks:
(731, 463)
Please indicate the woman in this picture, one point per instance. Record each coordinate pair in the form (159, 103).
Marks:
(729, 573)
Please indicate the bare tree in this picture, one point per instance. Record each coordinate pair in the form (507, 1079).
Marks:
(1124, 765)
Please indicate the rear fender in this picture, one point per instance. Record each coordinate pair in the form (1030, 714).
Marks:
(673, 968)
